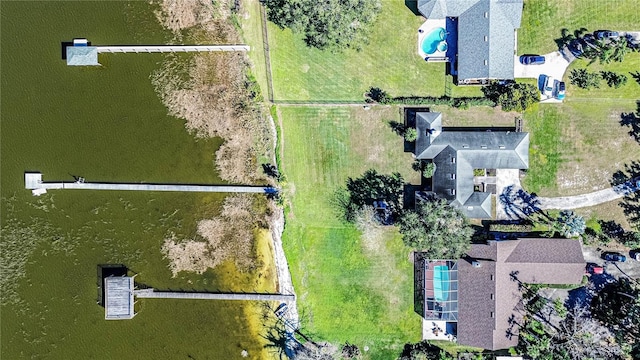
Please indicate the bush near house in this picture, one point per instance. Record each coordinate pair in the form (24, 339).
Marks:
(512, 97)
(613, 79)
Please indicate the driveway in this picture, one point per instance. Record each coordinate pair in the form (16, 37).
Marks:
(630, 268)
(555, 65)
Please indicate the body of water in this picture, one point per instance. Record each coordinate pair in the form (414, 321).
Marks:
(105, 124)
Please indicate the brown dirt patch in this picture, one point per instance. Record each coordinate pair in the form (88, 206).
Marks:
(212, 91)
(226, 237)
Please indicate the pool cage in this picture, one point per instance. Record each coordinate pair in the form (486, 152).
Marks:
(436, 288)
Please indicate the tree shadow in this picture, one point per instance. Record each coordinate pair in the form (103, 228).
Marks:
(628, 183)
(398, 127)
(632, 120)
(519, 204)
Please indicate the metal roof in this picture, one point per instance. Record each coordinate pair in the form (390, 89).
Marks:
(82, 56)
(457, 152)
(119, 298)
(486, 34)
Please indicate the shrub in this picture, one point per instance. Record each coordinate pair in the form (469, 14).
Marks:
(584, 79)
(613, 79)
(428, 169)
(411, 134)
(513, 96)
(377, 95)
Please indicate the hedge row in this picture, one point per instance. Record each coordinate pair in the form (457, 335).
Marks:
(461, 103)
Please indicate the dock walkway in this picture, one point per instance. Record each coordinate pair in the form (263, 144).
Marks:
(152, 294)
(33, 182)
(169, 48)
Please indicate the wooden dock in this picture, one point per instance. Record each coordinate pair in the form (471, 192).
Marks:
(152, 294)
(33, 182)
(169, 48)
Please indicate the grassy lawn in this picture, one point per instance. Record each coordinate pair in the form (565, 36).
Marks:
(349, 288)
(543, 20)
(251, 25)
(389, 61)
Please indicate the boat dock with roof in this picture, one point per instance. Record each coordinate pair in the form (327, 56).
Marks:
(33, 182)
(82, 53)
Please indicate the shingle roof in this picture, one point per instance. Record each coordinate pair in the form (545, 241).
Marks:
(456, 153)
(489, 307)
(486, 34)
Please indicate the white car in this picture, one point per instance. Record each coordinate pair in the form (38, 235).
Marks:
(549, 84)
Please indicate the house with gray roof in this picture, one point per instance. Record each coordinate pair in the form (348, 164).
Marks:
(479, 297)
(457, 152)
(486, 36)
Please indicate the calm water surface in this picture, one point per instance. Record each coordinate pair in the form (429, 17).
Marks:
(105, 124)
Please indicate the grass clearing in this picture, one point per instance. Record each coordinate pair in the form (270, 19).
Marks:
(389, 61)
(543, 20)
(347, 291)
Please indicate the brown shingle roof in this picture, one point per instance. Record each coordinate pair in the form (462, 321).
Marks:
(489, 304)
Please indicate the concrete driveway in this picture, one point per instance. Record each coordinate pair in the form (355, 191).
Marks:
(630, 268)
(555, 65)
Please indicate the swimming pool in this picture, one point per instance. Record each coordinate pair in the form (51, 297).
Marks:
(434, 41)
(441, 282)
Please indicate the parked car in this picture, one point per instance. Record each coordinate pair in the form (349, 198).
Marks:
(561, 90)
(635, 254)
(613, 256)
(594, 269)
(606, 34)
(532, 59)
(547, 90)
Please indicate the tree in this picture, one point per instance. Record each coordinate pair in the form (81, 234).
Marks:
(367, 189)
(329, 24)
(584, 79)
(569, 224)
(635, 76)
(411, 134)
(375, 94)
(617, 306)
(512, 97)
(428, 169)
(613, 79)
(439, 230)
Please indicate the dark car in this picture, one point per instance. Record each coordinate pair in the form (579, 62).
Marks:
(561, 90)
(532, 59)
(606, 34)
(612, 256)
(635, 254)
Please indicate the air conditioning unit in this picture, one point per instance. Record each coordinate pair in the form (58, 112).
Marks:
(476, 264)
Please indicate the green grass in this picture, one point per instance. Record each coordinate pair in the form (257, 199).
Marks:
(631, 90)
(543, 124)
(389, 61)
(251, 25)
(543, 20)
(347, 291)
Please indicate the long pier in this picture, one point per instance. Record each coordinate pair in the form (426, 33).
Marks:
(169, 48)
(33, 182)
(152, 294)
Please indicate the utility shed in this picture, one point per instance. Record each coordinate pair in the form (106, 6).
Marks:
(118, 303)
(80, 55)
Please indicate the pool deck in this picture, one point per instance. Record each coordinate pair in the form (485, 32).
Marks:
(423, 30)
(435, 330)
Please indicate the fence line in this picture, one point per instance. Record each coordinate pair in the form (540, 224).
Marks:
(267, 56)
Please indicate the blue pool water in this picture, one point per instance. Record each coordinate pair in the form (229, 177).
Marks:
(433, 40)
(441, 282)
